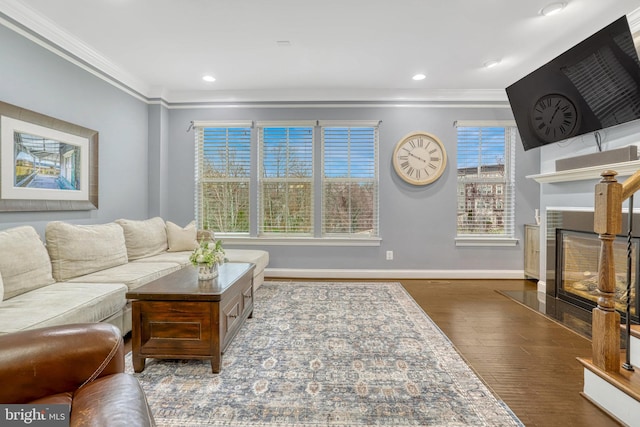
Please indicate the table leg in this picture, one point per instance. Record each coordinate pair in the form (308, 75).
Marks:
(216, 363)
(138, 363)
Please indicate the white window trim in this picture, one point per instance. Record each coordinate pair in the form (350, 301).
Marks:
(240, 240)
(222, 124)
(200, 126)
(486, 241)
(251, 238)
(352, 124)
(349, 123)
(261, 126)
(484, 123)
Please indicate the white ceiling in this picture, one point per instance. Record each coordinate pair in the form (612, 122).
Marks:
(340, 50)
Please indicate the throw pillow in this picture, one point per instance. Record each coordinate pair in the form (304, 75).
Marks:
(1, 289)
(144, 238)
(182, 239)
(24, 261)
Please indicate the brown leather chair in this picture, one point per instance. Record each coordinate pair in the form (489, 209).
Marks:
(81, 365)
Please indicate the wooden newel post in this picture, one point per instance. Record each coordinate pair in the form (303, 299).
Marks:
(606, 320)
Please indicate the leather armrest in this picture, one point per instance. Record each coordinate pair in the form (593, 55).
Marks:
(46, 361)
(114, 401)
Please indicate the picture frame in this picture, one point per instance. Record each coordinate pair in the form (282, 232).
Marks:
(46, 164)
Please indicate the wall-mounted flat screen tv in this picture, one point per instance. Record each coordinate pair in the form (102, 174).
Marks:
(592, 86)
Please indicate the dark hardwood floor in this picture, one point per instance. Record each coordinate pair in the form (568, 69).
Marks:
(528, 360)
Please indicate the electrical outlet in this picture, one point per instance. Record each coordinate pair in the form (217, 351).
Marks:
(389, 255)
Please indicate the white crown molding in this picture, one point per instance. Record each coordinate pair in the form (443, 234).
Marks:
(47, 34)
(394, 96)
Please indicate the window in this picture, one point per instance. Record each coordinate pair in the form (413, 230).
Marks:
(303, 179)
(223, 171)
(285, 179)
(349, 180)
(486, 160)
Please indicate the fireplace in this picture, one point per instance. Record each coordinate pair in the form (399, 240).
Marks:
(573, 256)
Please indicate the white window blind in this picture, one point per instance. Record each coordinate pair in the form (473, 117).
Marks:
(486, 173)
(350, 181)
(285, 179)
(223, 170)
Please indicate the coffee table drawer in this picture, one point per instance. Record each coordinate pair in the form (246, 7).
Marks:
(247, 296)
(231, 319)
(174, 328)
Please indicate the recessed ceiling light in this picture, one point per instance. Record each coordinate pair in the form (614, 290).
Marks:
(492, 63)
(552, 8)
(208, 78)
(419, 77)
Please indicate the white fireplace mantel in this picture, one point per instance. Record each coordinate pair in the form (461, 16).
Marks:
(591, 172)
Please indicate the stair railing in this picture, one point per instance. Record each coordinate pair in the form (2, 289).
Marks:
(627, 362)
(609, 195)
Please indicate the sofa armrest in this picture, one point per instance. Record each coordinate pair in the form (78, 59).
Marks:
(46, 361)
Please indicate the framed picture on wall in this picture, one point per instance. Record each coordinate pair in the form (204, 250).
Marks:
(46, 164)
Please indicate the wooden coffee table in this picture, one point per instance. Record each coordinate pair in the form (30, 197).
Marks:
(179, 317)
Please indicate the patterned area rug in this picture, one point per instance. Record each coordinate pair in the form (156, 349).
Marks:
(327, 354)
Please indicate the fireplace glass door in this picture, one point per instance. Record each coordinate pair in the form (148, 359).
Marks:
(577, 269)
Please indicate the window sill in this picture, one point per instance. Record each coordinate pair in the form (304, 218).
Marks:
(297, 241)
(486, 241)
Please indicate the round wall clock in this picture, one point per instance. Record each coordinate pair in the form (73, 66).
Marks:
(554, 117)
(419, 158)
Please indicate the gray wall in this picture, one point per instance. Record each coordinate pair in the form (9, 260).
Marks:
(417, 223)
(34, 78)
(146, 164)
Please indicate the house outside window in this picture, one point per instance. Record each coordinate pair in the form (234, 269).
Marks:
(486, 177)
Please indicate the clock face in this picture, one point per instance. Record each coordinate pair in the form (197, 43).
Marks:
(419, 158)
(554, 117)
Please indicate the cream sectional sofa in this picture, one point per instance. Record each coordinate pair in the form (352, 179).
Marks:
(83, 272)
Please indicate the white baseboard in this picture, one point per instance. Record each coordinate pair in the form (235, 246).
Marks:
(393, 274)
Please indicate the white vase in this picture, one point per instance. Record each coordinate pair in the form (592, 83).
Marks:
(206, 272)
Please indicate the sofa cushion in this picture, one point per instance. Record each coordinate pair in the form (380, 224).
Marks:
(182, 239)
(144, 238)
(83, 249)
(24, 262)
(181, 258)
(133, 274)
(62, 303)
(259, 257)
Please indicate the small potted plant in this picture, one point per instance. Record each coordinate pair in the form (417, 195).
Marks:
(206, 258)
